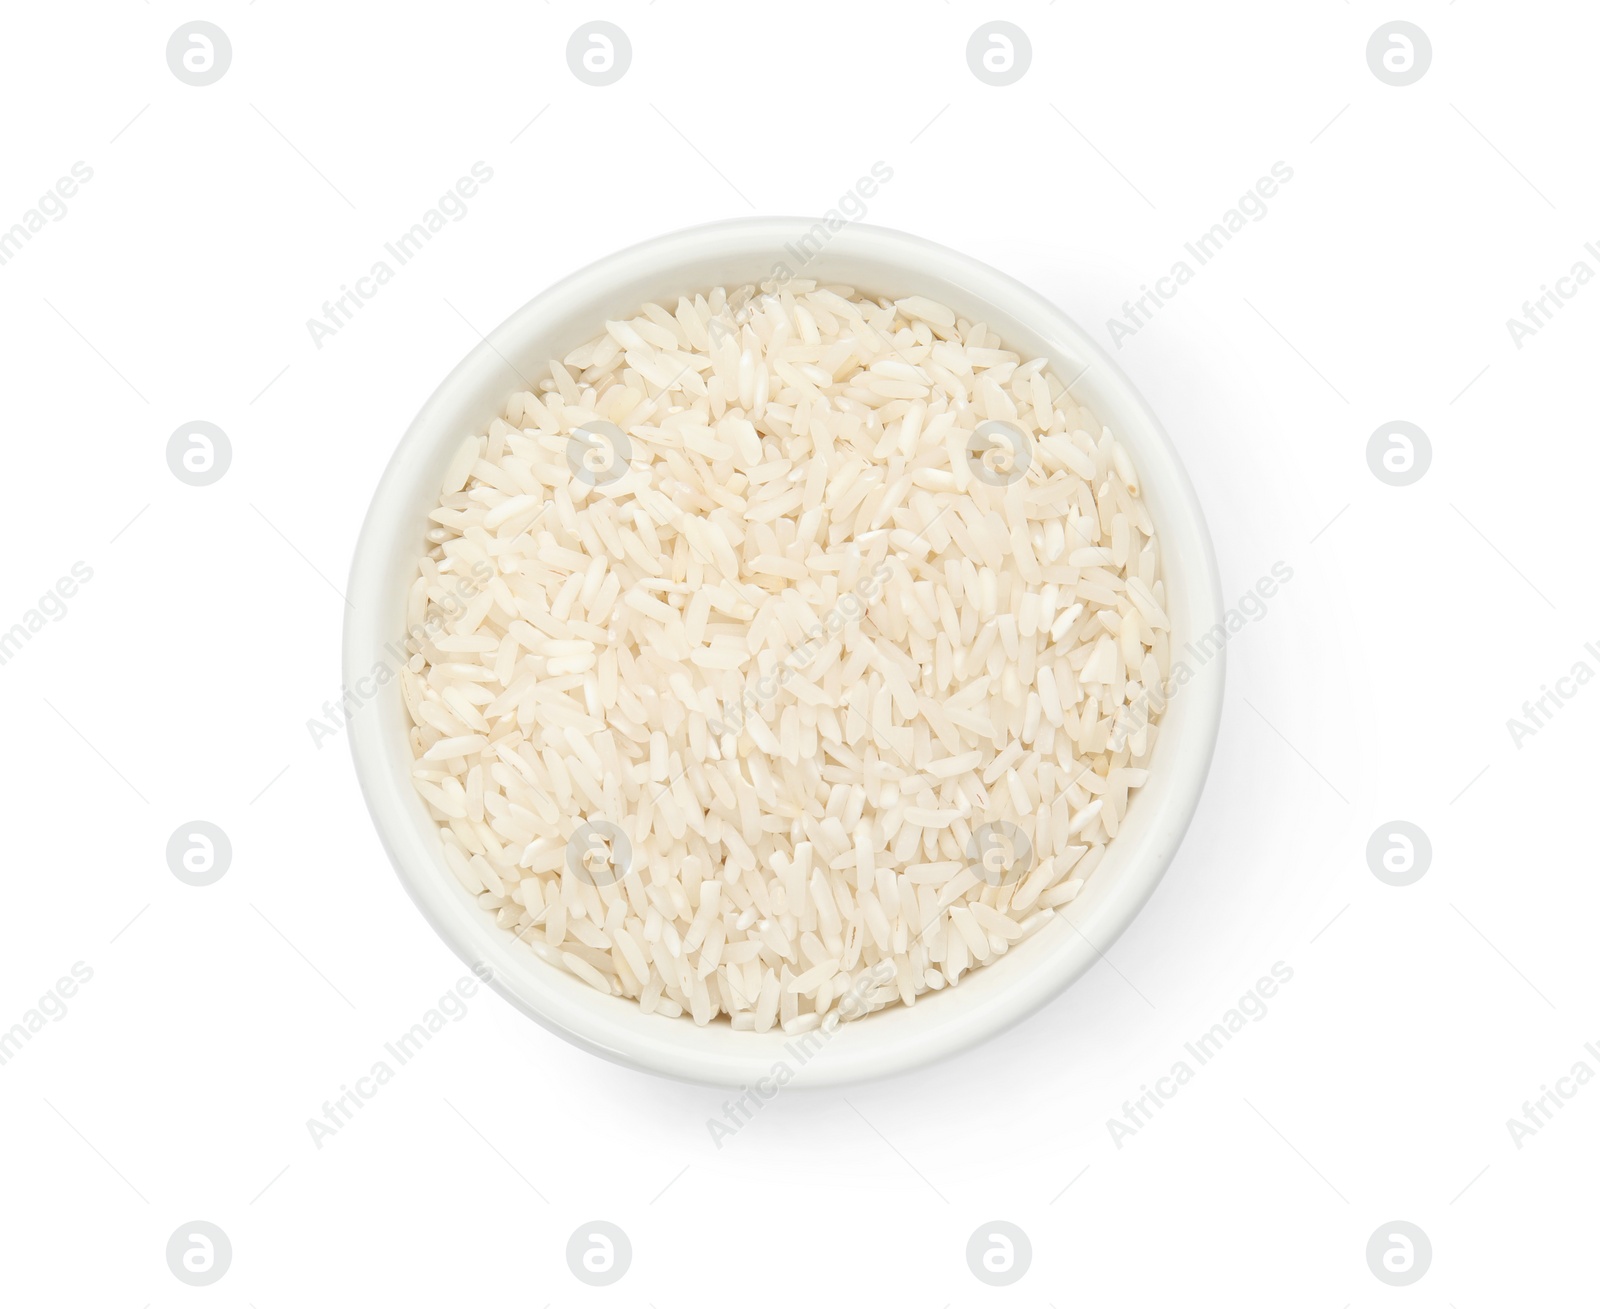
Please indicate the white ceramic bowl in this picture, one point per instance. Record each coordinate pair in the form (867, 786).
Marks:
(878, 261)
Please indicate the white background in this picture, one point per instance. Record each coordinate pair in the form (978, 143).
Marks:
(178, 684)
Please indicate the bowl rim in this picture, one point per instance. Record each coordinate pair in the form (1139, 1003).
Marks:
(877, 1046)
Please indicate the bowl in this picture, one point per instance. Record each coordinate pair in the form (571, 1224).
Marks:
(874, 260)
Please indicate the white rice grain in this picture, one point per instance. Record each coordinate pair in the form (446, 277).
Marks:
(725, 723)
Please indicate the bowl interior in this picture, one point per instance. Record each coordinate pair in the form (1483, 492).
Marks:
(879, 262)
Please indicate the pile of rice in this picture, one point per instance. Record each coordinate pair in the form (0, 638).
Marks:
(784, 655)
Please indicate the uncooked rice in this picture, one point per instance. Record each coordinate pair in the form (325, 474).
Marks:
(784, 654)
